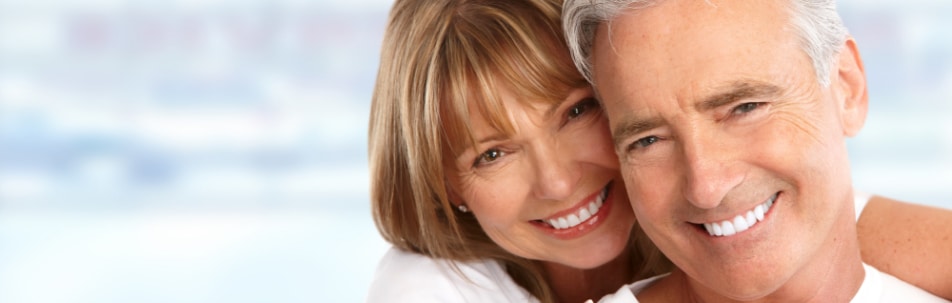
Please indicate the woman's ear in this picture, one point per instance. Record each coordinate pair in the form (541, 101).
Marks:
(457, 202)
(851, 87)
(455, 199)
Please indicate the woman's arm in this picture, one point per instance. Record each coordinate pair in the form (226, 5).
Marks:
(909, 241)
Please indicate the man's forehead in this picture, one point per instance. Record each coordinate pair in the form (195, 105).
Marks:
(688, 31)
(639, 60)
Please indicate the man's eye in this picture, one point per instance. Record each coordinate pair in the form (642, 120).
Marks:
(746, 108)
(582, 107)
(488, 156)
(643, 142)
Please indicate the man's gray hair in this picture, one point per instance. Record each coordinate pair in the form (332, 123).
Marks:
(817, 22)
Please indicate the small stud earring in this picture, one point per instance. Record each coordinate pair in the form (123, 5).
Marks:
(463, 208)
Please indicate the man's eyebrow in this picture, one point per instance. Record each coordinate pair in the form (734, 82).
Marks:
(734, 92)
(631, 125)
(738, 91)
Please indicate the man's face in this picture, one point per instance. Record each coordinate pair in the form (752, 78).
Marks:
(718, 119)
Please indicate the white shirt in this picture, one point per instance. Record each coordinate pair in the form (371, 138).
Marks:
(411, 277)
(882, 287)
(877, 287)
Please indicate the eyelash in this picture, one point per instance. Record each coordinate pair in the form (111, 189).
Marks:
(581, 108)
(483, 158)
(745, 108)
(643, 142)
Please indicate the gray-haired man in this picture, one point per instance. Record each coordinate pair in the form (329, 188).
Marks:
(730, 119)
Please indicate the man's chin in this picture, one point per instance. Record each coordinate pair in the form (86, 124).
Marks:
(744, 282)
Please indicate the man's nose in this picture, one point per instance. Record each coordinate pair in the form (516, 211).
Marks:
(710, 170)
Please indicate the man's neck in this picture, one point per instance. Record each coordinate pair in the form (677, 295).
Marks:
(833, 275)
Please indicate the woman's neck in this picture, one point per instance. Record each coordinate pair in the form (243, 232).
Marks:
(577, 285)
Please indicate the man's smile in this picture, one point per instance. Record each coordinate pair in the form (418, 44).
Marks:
(740, 222)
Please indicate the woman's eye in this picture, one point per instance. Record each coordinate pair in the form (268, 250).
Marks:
(582, 107)
(746, 108)
(488, 156)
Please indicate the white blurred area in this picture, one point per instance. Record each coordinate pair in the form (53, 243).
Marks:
(215, 151)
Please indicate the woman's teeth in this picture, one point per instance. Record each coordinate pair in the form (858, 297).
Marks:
(581, 215)
(741, 222)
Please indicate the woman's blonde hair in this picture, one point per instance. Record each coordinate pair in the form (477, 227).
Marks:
(438, 57)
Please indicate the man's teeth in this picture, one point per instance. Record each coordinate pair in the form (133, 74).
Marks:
(582, 215)
(741, 222)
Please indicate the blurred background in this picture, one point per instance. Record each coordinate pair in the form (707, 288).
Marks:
(215, 151)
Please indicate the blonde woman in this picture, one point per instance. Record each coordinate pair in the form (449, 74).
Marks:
(492, 169)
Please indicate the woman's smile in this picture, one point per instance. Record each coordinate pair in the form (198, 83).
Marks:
(579, 219)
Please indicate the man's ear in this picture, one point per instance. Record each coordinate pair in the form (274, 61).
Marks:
(851, 89)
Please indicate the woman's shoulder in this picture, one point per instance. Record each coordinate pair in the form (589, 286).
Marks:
(404, 276)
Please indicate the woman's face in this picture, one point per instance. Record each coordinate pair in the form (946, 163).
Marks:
(550, 191)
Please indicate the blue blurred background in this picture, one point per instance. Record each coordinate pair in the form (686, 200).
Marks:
(215, 151)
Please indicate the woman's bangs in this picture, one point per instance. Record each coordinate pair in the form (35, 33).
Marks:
(494, 50)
